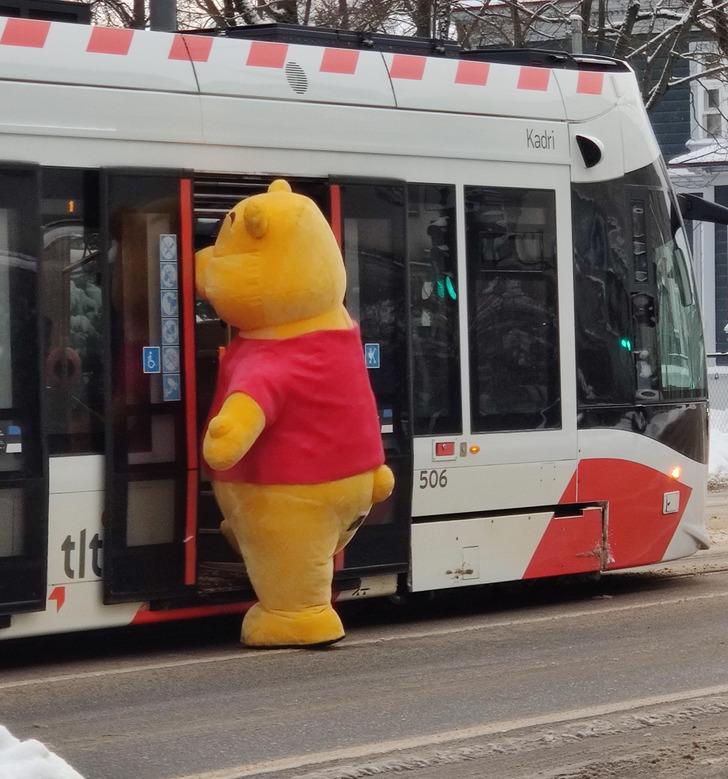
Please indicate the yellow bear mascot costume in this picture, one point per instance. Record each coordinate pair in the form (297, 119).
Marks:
(293, 441)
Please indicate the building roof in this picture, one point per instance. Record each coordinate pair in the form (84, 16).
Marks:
(702, 153)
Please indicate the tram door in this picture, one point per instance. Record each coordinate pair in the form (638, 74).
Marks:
(151, 432)
(485, 490)
(518, 447)
(370, 220)
(23, 469)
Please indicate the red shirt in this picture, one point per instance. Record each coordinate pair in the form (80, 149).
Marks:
(321, 420)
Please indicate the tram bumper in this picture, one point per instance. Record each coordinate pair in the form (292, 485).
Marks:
(691, 535)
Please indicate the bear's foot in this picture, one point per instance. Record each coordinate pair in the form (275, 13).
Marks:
(310, 627)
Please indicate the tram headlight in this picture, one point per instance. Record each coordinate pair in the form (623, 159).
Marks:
(676, 472)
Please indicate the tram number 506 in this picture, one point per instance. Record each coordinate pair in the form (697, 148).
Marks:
(433, 479)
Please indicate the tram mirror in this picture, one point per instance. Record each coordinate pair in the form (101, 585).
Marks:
(701, 210)
(591, 150)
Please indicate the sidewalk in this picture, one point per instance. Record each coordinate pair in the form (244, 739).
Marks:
(716, 514)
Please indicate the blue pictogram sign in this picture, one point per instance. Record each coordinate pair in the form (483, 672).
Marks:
(371, 354)
(167, 247)
(168, 275)
(170, 331)
(170, 303)
(171, 387)
(151, 359)
(170, 359)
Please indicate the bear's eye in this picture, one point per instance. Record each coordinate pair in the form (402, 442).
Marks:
(232, 218)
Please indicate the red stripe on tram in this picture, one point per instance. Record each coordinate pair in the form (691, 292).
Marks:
(190, 48)
(265, 54)
(146, 616)
(25, 32)
(109, 40)
(590, 83)
(188, 325)
(339, 61)
(536, 79)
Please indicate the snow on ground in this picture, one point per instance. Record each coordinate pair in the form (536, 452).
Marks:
(30, 760)
(718, 458)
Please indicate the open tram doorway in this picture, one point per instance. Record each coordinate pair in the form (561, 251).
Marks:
(368, 219)
(162, 542)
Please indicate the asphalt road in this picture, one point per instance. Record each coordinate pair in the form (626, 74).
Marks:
(624, 677)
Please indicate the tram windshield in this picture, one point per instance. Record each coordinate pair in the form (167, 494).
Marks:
(636, 305)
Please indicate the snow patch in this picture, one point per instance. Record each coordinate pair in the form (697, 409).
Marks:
(30, 760)
(718, 457)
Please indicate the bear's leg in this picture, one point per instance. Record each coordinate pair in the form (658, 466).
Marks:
(287, 536)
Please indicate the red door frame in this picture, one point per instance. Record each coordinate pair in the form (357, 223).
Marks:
(188, 325)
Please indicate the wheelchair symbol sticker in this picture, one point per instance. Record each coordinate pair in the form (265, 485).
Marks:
(167, 247)
(168, 275)
(170, 303)
(171, 387)
(151, 362)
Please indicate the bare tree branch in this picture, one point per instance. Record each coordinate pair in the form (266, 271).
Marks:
(621, 46)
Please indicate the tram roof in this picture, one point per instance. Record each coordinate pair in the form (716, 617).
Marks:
(284, 62)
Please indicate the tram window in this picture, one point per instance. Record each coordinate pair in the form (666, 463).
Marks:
(602, 281)
(6, 341)
(638, 331)
(72, 311)
(12, 528)
(434, 302)
(374, 249)
(18, 324)
(142, 214)
(150, 512)
(678, 327)
(513, 309)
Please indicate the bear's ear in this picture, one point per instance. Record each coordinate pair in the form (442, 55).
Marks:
(256, 220)
(279, 185)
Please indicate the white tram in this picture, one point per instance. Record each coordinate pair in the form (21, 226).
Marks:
(516, 261)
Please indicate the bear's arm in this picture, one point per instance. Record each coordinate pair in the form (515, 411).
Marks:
(232, 431)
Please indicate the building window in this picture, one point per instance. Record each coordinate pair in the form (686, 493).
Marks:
(710, 109)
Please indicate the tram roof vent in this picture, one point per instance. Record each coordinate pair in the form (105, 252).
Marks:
(296, 77)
